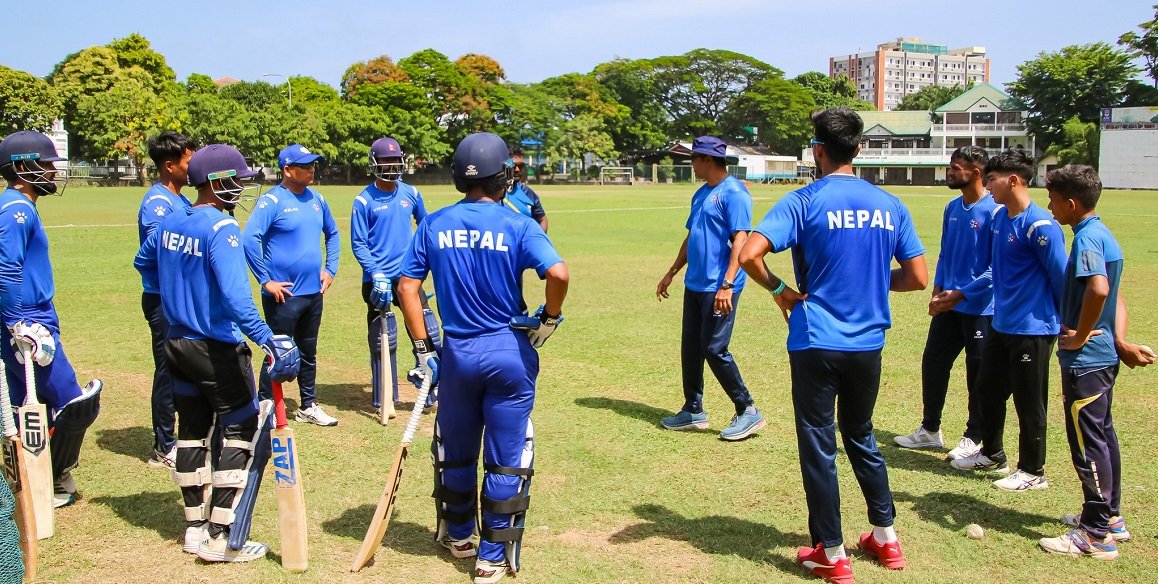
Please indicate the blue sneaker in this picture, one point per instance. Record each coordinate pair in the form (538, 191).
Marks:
(743, 425)
(686, 420)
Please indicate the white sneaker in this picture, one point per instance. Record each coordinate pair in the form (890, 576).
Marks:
(966, 447)
(315, 415)
(216, 549)
(1021, 481)
(459, 548)
(193, 538)
(978, 461)
(1118, 529)
(920, 438)
(64, 491)
(164, 459)
(487, 572)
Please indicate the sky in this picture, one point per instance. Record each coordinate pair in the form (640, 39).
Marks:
(534, 41)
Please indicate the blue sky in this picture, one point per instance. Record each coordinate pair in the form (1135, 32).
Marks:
(534, 41)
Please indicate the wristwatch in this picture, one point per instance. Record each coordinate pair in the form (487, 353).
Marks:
(727, 285)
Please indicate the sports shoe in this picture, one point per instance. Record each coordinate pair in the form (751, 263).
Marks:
(965, 448)
(1077, 543)
(193, 538)
(488, 572)
(888, 554)
(216, 549)
(459, 548)
(978, 461)
(815, 561)
(1117, 525)
(315, 415)
(920, 438)
(1021, 481)
(378, 413)
(64, 491)
(686, 420)
(743, 425)
(161, 459)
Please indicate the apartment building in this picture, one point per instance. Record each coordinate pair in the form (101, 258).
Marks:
(895, 69)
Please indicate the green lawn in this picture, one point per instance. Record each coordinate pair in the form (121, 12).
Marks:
(616, 499)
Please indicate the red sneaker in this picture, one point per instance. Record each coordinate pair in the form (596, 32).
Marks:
(814, 560)
(888, 554)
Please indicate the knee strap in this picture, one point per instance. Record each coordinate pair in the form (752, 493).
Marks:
(243, 508)
(515, 507)
(237, 446)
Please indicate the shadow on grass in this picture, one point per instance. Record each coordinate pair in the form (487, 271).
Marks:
(932, 460)
(954, 511)
(402, 537)
(650, 415)
(159, 511)
(717, 535)
(355, 398)
(134, 442)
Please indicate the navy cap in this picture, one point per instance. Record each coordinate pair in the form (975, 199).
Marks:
(710, 146)
(295, 154)
(386, 148)
(28, 145)
(217, 159)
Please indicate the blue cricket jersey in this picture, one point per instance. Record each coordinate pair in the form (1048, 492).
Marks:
(1095, 252)
(477, 252)
(844, 234)
(1029, 265)
(716, 214)
(204, 288)
(282, 240)
(525, 201)
(965, 258)
(157, 204)
(25, 270)
(380, 228)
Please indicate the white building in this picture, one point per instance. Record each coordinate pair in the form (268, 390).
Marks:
(59, 137)
(1129, 148)
(886, 75)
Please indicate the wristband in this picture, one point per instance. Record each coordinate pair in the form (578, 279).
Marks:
(779, 288)
(424, 345)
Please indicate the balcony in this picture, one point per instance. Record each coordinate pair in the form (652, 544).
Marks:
(896, 156)
(978, 130)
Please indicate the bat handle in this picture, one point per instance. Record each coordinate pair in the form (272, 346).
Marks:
(29, 378)
(8, 427)
(416, 413)
(278, 402)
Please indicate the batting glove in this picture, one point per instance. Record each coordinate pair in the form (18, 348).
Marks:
(427, 355)
(381, 295)
(34, 338)
(539, 327)
(285, 361)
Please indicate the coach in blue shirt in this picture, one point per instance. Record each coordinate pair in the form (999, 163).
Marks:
(281, 246)
(525, 200)
(718, 224)
(844, 234)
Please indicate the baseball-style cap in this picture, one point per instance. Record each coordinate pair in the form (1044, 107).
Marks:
(217, 161)
(710, 146)
(295, 154)
(386, 148)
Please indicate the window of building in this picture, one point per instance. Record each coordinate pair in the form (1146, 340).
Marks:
(957, 118)
(1009, 117)
(983, 117)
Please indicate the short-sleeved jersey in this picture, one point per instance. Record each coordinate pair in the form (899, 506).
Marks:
(157, 204)
(381, 225)
(965, 258)
(844, 234)
(526, 201)
(25, 269)
(716, 213)
(204, 288)
(1029, 264)
(1094, 252)
(282, 239)
(477, 252)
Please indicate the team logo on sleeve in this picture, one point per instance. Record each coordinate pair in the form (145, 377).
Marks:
(160, 211)
(232, 240)
(20, 217)
(1042, 240)
(263, 204)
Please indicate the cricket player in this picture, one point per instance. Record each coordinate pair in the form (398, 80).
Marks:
(381, 224)
(281, 242)
(477, 251)
(170, 153)
(524, 199)
(28, 163)
(962, 303)
(206, 298)
(840, 229)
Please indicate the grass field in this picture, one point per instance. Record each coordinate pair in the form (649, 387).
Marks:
(615, 498)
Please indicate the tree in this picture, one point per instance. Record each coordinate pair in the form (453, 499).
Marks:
(580, 136)
(26, 102)
(1077, 81)
(311, 92)
(780, 110)
(116, 123)
(647, 125)
(404, 108)
(830, 92)
(377, 70)
(698, 87)
(931, 97)
(1078, 143)
(200, 83)
(1144, 46)
(136, 51)
(254, 95)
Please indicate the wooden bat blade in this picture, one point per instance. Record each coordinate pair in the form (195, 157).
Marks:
(16, 474)
(386, 377)
(291, 502)
(381, 520)
(38, 465)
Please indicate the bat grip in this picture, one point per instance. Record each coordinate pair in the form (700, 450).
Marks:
(278, 402)
(416, 413)
(8, 426)
(29, 378)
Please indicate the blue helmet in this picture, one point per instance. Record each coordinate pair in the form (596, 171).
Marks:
(481, 156)
(24, 155)
(224, 164)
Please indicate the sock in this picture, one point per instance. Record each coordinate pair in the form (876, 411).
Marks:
(750, 410)
(884, 534)
(834, 553)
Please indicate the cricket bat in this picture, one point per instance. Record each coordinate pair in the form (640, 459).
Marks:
(381, 519)
(37, 457)
(287, 476)
(16, 473)
(385, 381)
